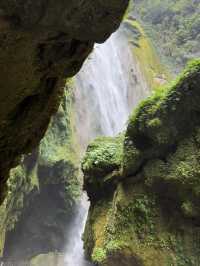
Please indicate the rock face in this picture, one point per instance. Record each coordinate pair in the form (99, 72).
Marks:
(43, 191)
(42, 42)
(145, 210)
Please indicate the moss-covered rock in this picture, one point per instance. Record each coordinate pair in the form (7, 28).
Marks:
(102, 165)
(155, 73)
(150, 217)
(14, 202)
(178, 177)
(163, 119)
(43, 191)
(134, 228)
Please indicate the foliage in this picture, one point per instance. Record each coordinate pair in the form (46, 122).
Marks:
(99, 254)
(150, 215)
(103, 154)
(180, 175)
(174, 27)
(102, 165)
(167, 116)
(49, 176)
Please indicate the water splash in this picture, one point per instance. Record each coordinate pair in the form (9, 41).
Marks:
(74, 255)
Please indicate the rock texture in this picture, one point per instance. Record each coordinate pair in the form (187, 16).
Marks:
(43, 192)
(41, 43)
(145, 209)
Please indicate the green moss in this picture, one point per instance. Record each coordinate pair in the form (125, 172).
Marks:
(135, 228)
(103, 155)
(2, 227)
(160, 121)
(12, 207)
(59, 142)
(113, 246)
(150, 213)
(16, 194)
(101, 164)
(49, 176)
(95, 230)
(58, 151)
(147, 57)
(180, 175)
(98, 255)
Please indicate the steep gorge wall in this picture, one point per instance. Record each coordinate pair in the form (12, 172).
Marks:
(42, 43)
(43, 191)
(150, 64)
(144, 184)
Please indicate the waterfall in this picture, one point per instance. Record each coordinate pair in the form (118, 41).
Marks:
(109, 85)
(74, 254)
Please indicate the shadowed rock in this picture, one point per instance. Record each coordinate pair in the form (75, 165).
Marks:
(42, 43)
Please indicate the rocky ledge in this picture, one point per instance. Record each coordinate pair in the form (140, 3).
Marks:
(41, 44)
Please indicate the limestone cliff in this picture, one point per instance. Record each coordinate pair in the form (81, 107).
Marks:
(144, 185)
(43, 191)
(144, 52)
(42, 43)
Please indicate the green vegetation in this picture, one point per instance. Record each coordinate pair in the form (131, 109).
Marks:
(149, 214)
(147, 57)
(104, 153)
(19, 185)
(102, 164)
(164, 118)
(135, 228)
(99, 255)
(58, 151)
(49, 176)
(180, 175)
(173, 26)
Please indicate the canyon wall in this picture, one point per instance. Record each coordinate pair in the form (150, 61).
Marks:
(43, 191)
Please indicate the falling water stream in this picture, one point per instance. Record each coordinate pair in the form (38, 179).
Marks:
(109, 85)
